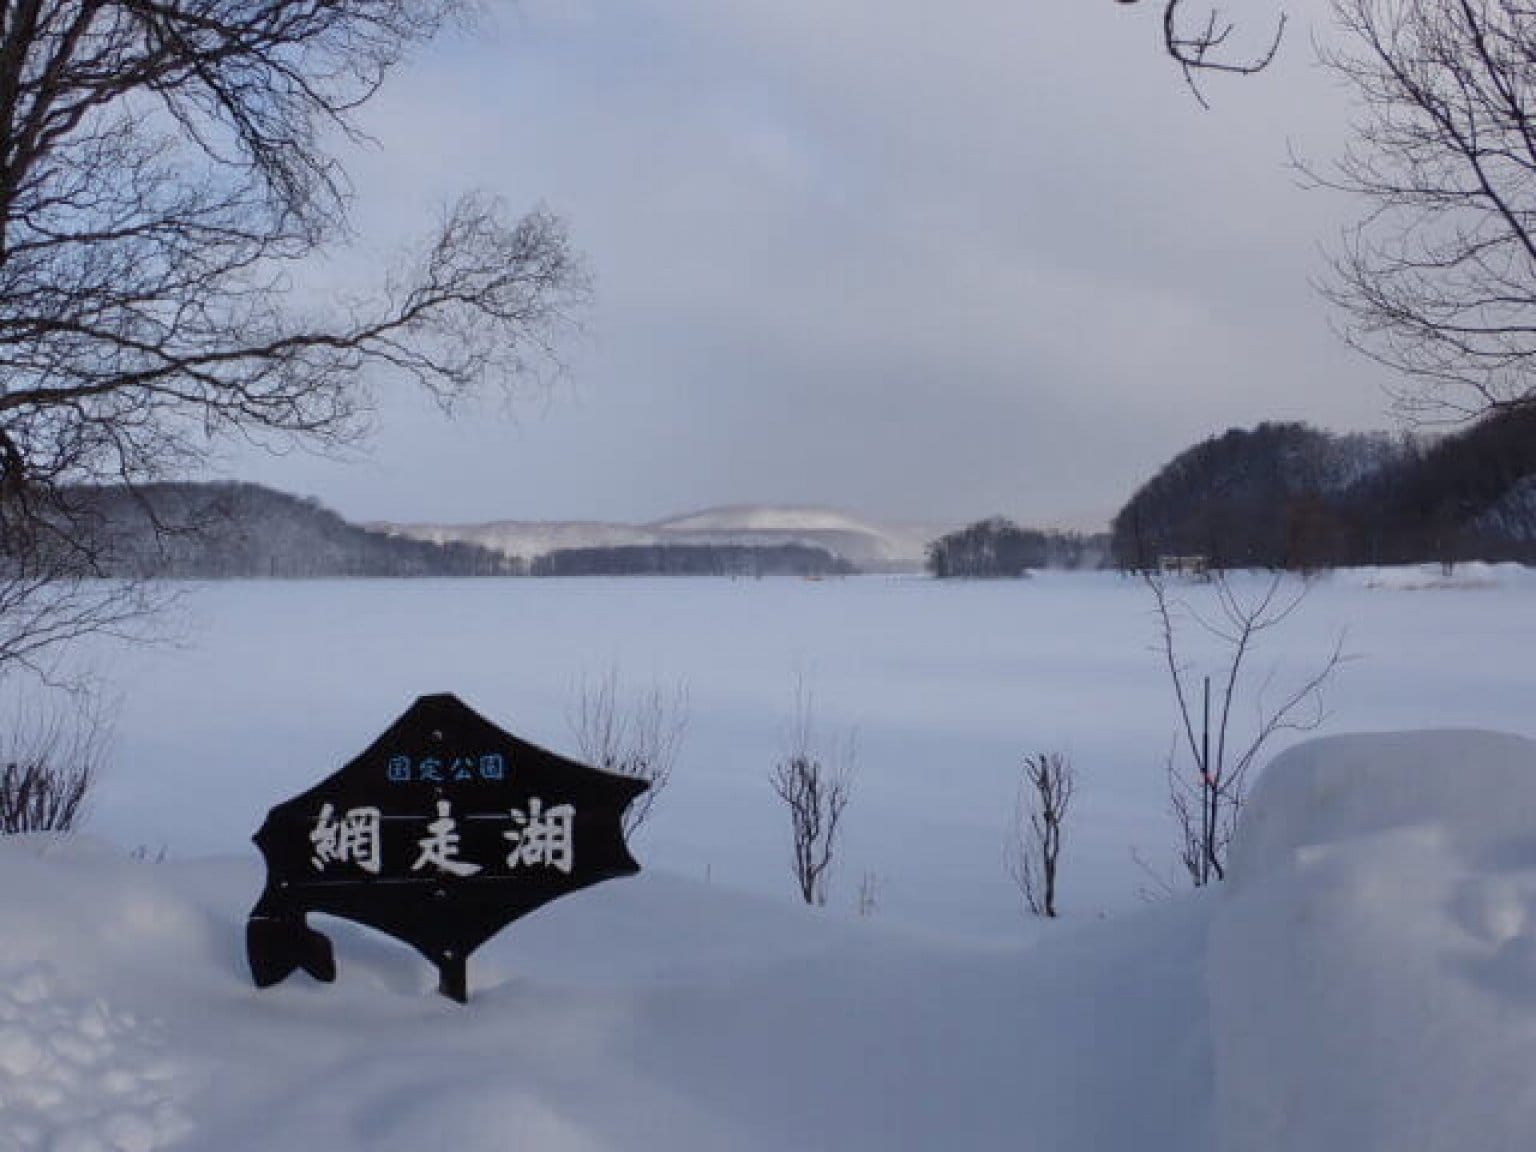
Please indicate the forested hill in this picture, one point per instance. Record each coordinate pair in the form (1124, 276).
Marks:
(1293, 496)
(230, 530)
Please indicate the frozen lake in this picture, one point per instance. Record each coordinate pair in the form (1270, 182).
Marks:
(947, 686)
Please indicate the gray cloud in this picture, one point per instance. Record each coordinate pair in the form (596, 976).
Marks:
(922, 260)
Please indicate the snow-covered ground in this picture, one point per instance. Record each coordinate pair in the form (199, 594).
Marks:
(655, 1013)
(946, 685)
(1366, 981)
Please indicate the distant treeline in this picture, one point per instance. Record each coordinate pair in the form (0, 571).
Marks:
(187, 531)
(1292, 496)
(692, 560)
(999, 549)
(229, 530)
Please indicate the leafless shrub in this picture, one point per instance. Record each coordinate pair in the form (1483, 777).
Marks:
(640, 738)
(1039, 817)
(1208, 789)
(50, 763)
(815, 789)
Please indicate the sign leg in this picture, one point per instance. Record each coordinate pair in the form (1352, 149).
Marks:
(277, 944)
(453, 978)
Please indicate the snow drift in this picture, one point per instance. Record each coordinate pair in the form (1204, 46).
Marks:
(1372, 964)
(1365, 981)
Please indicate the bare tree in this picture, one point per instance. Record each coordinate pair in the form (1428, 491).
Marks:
(1203, 43)
(165, 181)
(639, 739)
(815, 789)
(49, 760)
(1208, 789)
(1039, 818)
(1438, 278)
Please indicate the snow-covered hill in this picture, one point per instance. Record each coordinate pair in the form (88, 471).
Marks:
(1366, 981)
(869, 546)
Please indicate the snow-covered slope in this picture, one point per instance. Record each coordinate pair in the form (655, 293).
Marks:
(761, 518)
(1365, 982)
(867, 545)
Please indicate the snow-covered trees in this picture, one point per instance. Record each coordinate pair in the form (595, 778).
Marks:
(1232, 498)
(218, 531)
(989, 548)
(998, 548)
(1292, 496)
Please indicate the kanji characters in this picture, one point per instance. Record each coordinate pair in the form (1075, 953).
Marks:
(354, 839)
(490, 767)
(541, 838)
(440, 847)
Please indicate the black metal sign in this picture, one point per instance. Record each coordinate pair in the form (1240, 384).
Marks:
(441, 833)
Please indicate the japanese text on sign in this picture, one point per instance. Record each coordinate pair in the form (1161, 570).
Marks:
(539, 837)
(491, 768)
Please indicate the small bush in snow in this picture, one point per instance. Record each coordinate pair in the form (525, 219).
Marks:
(639, 739)
(50, 762)
(1039, 817)
(1208, 781)
(815, 790)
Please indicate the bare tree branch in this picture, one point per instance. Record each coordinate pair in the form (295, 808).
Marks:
(1437, 280)
(1208, 786)
(51, 753)
(638, 738)
(1040, 812)
(164, 183)
(1201, 44)
(815, 789)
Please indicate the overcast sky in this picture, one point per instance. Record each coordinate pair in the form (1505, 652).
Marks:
(917, 260)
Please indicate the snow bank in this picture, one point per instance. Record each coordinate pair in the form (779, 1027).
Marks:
(655, 1013)
(1366, 982)
(1372, 963)
(1478, 788)
(1434, 577)
(82, 1067)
